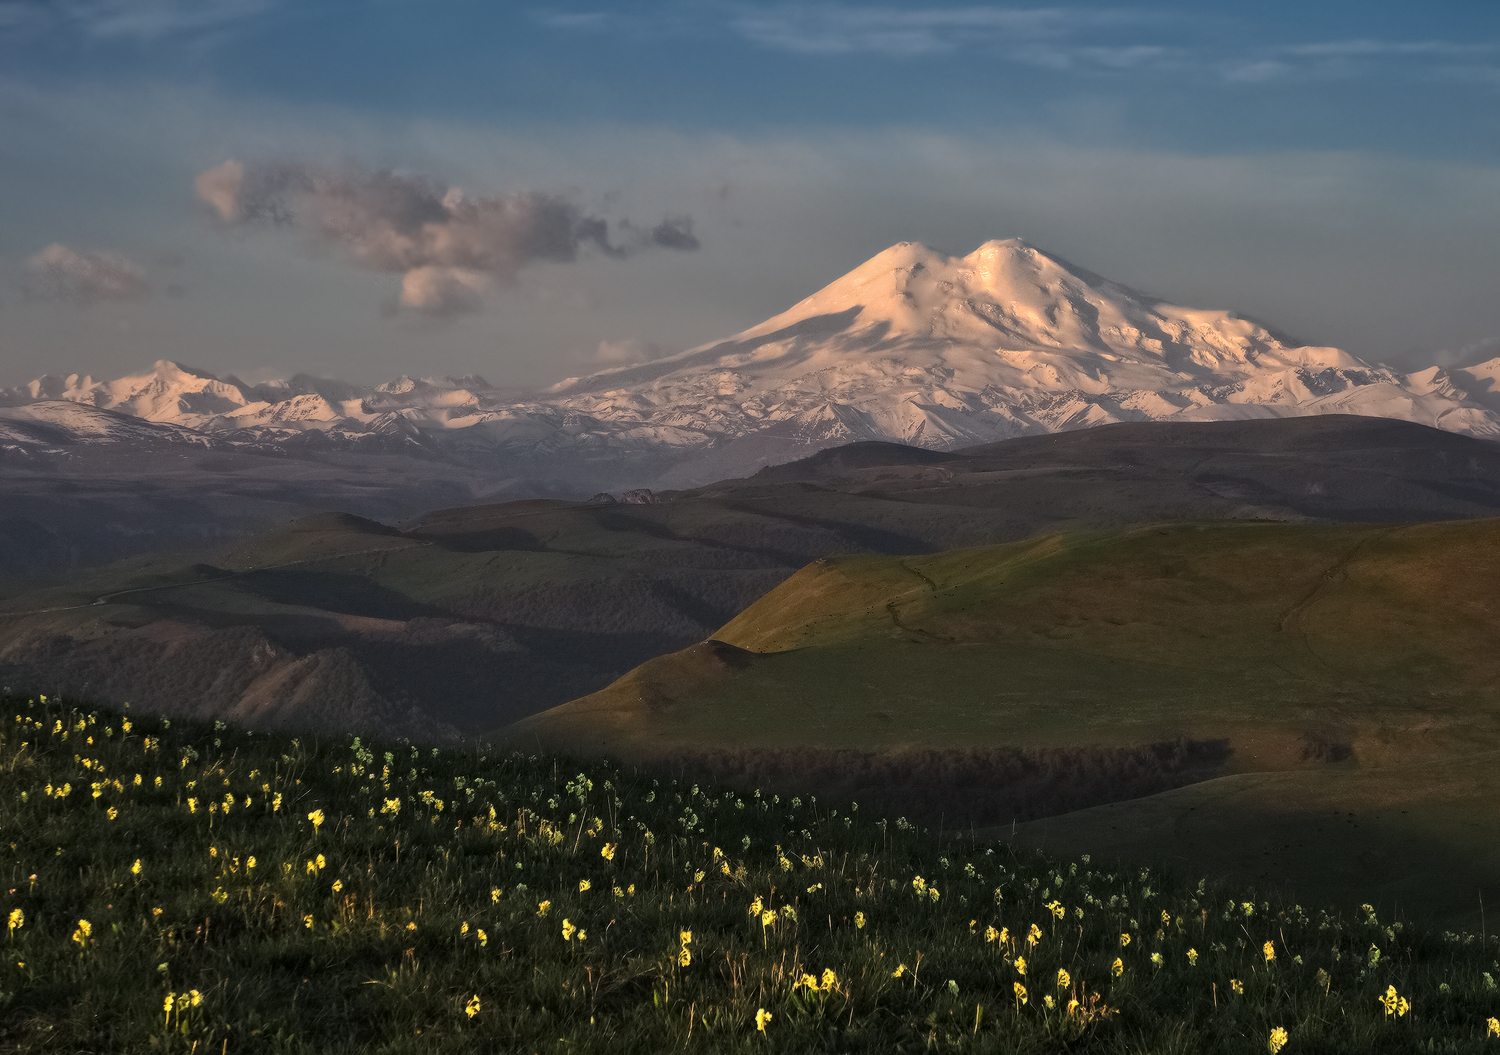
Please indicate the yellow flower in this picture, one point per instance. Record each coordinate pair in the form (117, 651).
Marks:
(1192, 955)
(684, 957)
(484, 939)
(111, 813)
(807, 981)
(608, 852)
(1034, 936)
(1117, 968)
(1124, 941)
(755, 907)
(463, 928)
(250, 863)
(829, 980)
(584, 885)
(1237, 985)
(686, 937)
(312, 868)
(195, 997)
(82, 932)
(322, 864)
(1020, 993)
(617, 891)
(1063, 981)
(316, 816)
(192, 805)
(1055, 907)
(411, 926)
(276, 802)
(1020, 966)
(307, 921)
(763, 1016)
(135, 869)
(17, 919)
(494, 895)
(991, 934)
(542, 907)
(1268, 951)
(1494, 1027)
(899, 971)
(156, 912)
(859, 921)
(338, 884)
(568, 930)
(1277, 1040)
(472, 1008)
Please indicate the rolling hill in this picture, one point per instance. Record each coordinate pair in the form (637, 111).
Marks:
(1225, 685)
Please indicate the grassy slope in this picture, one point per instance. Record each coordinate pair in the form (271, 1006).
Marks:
(381, 898)
(1348, 668)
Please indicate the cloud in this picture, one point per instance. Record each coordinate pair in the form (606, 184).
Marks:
(67, 274)
(442, 291)
(445, 243)
(627, 352)
(832, 29)
(141, 21)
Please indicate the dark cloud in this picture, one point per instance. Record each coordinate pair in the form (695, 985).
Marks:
(446, 244)
(675, 232)
(61, 273)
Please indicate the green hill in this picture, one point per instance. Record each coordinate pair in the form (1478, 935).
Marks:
(1274, 675)
(175, 887)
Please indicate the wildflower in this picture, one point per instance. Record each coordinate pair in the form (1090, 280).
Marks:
(338, 884)
(755, 907)
(463, 928)
(584, 885)
(1063, 980)
(82, 932)
(192, 805)
(1238, 986)
(829, 980)
(1072, 1006)
(1494, 1028)
(111, 813)
(135, 869)
(932, 892)
(1020, 993)
(608, 852)
(684, 956)
(494, 895)
(484, 939)
(276, 802)
(686, 937)
(307, 921)
(1124, 941)
(542, 907)
(411, 926)
(788, 912)
(316, 816)
(250, 862)
(617, 891)
(568, 930)
(472, 1008)
(17, 919)
(1268, 951)
(391, 805)
(919, 885)
(1034, 936)
(1055, 907)
(1020, 966)
(322, 863)
(1277, 1040)
(767, 918)
(1117, 968)
(1192, 957)
(763, 1016)
(991, 934)
(899, 971)
(807, 981)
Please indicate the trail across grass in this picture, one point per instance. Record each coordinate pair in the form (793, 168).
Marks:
(175, 887)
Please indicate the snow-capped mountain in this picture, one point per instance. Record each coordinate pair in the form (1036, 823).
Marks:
(912, 346)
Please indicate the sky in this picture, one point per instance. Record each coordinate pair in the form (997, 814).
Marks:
(370, 188)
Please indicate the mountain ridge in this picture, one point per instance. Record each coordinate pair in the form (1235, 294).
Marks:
(912, 346)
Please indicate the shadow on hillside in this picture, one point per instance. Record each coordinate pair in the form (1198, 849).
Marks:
(966, 788)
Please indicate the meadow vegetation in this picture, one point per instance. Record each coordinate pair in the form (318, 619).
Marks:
(179, 887)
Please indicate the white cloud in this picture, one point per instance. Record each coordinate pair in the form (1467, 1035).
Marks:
(626, 352)
(148, 20)
(62, 273)
(442, 291)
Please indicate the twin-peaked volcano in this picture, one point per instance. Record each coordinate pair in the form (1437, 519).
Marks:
(912, 346)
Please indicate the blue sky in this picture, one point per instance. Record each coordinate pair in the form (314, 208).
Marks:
(1330, 168)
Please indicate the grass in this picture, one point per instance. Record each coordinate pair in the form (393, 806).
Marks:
(1342, 668)
(180, 887)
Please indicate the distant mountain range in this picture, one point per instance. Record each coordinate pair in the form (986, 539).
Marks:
(912, 346)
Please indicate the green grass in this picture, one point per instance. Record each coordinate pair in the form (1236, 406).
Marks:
(377, 867)
(1346, 669)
